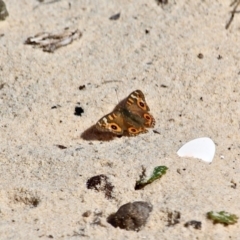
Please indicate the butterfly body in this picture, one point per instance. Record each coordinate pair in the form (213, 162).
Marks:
(132, 118)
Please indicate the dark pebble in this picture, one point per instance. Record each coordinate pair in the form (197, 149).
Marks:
(131, 216)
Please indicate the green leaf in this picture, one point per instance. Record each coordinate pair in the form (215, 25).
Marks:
(157, 173)
(222, 217)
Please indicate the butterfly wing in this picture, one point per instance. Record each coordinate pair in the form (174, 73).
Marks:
(120, 121)
(132, 118)
(112, 122)
(133, 124)
(136, 104)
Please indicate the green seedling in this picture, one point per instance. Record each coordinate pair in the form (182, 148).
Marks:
(222, 217)
(157, 173)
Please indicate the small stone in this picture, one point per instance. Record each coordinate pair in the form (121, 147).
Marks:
(115, 16)
(200, 56)
(131, 216)
(87, 213)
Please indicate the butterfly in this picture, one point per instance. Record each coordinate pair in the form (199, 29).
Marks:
(132, 118)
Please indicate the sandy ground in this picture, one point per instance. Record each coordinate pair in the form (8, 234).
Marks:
(150, 47)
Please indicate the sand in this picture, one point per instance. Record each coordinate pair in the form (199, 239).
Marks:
(154, 48)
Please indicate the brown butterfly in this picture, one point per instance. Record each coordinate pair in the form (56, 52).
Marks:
(132, 118)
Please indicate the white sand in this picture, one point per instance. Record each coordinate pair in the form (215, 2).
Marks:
(118, 55)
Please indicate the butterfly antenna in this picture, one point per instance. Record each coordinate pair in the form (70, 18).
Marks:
(117, 94)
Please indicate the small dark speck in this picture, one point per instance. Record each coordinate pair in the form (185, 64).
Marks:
(149, 63)
(200, 56)
(219, 57)
(155, 131)
(234, 185)
(2, 86)
(162, 2)
(164, 86)
(61, 146)
(201, 98)
(180, 115)
(50, 236)
(78, 111)
(147, 31)
(82, 87)
(55, 106)
(115, 16)
(229, 149)
(86, 214)
(2, 34)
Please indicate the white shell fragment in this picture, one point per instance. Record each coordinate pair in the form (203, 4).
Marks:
(201, 148)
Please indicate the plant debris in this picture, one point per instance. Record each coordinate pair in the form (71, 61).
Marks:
(195, 224)
(101, 183)
(173, 218)
(157, 173)
(222, 217)
(235, 5)
(49, 42)
(3, 11)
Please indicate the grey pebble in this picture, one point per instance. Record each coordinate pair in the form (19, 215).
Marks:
(131, 216)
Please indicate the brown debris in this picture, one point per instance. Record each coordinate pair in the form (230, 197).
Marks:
(49, 42)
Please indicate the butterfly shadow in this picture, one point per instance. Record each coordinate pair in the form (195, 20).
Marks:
(93, 134)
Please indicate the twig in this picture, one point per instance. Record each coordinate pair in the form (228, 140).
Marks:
(236, 3)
